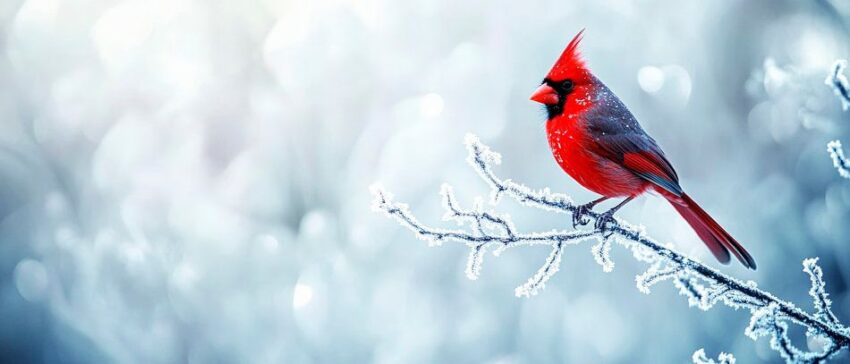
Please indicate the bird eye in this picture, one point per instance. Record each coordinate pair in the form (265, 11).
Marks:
(567, 85)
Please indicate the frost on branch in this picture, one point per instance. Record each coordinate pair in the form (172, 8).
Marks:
(481, 229)
(724, 358)
(657, 272)
(823, 306)
(538, 281)
(602, 254)
(486, 229)
(838, 82)
(838, 160)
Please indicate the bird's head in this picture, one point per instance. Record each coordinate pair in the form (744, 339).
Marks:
(568, 83)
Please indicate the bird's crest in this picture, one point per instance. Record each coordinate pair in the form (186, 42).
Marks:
(570, 64)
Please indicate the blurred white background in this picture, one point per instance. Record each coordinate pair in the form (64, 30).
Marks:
(186, 181)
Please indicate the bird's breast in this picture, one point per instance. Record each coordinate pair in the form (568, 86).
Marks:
(567, 146)
(572, 148)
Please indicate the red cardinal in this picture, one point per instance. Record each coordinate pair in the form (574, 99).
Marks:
(599, 143)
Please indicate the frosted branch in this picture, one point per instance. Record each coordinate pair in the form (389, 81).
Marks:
(823, 306)
(838, 160)
(724, 358)
(703, 286)
(839, 84)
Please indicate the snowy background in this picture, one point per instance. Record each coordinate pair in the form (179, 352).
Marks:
(186, 181)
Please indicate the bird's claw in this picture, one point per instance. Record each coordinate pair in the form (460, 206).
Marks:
(580, 216)
(602, 222)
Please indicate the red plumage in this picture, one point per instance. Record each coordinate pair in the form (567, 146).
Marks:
(600, 144)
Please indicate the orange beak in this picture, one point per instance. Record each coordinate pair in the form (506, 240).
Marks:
(545, 94)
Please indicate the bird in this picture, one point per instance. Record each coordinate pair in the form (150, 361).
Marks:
(598, 142)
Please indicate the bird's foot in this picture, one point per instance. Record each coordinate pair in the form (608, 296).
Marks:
(580, 215)
(602, 222)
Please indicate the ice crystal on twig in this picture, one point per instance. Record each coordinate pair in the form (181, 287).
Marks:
(699, 357)
(703, 286)
(823, 306)
(838, 82)
(602, 254)
(838, 160)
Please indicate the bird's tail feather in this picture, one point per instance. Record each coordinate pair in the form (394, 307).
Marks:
(712, 234)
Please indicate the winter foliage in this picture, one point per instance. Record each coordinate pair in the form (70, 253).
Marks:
(487, 230)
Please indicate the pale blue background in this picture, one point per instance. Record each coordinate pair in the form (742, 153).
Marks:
(186, 181)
